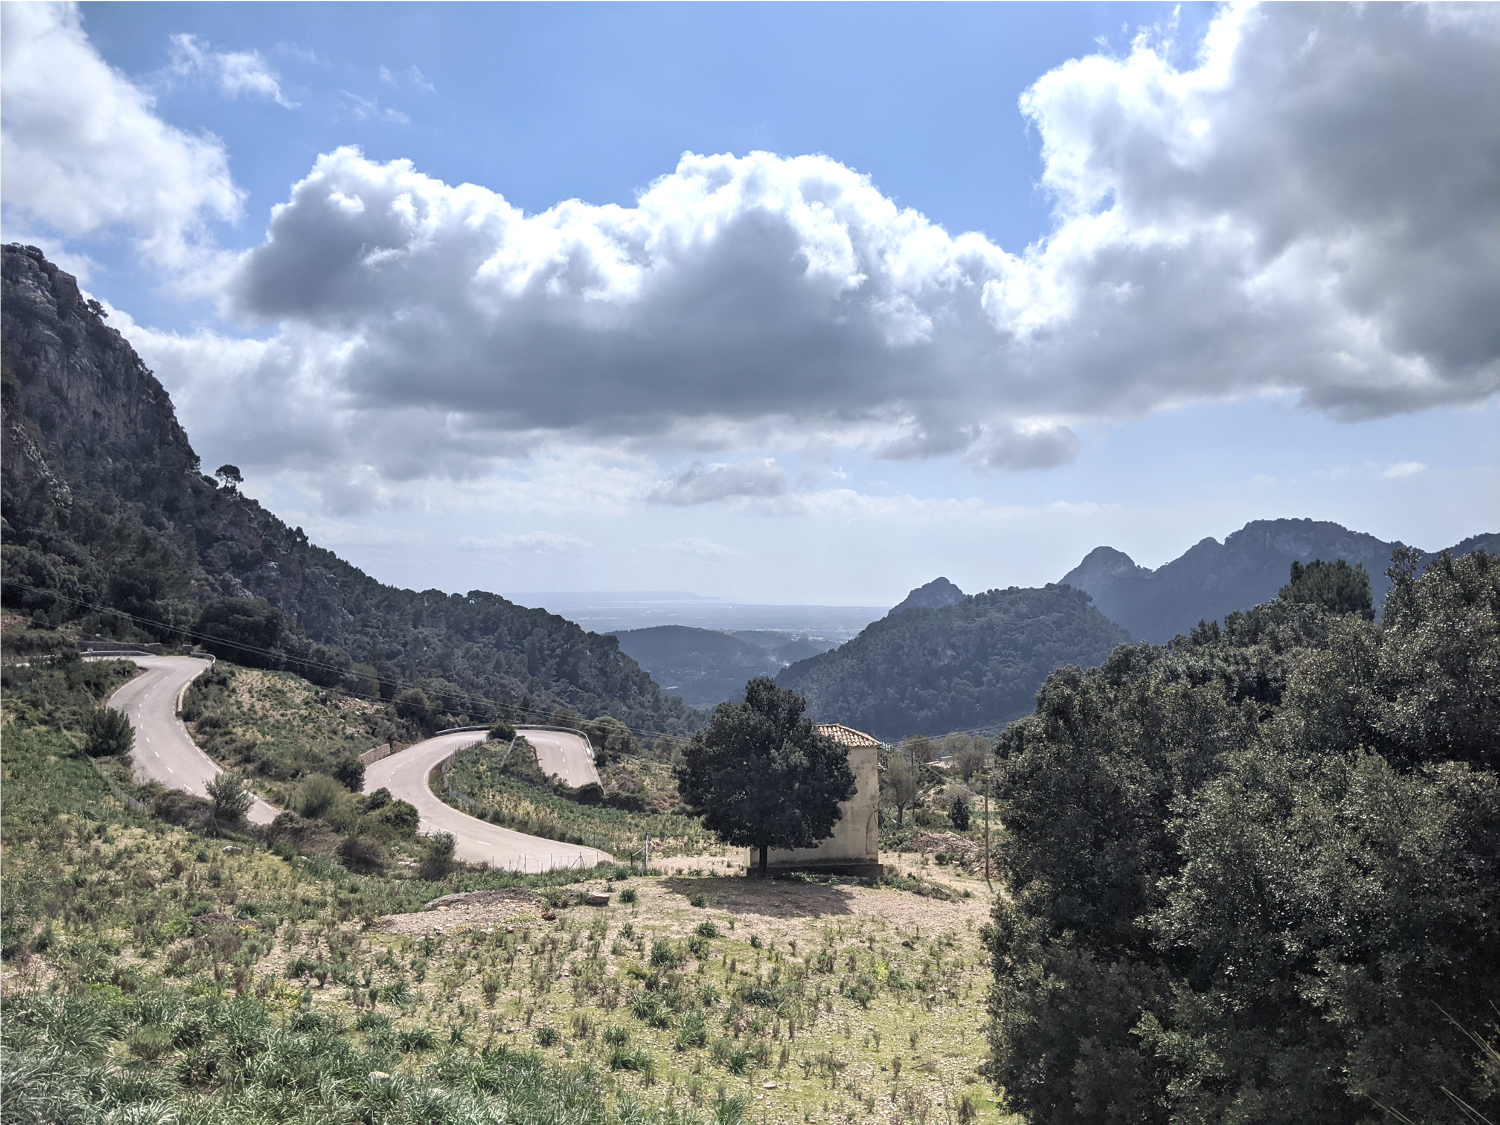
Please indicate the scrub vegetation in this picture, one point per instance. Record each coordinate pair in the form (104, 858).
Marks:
(157, 972)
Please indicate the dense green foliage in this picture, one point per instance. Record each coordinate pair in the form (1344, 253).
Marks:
(107, 733)
(974, 664)
(761, 776)
(1336, 586)
(1255, 874)
(702, 667)
(109, 523)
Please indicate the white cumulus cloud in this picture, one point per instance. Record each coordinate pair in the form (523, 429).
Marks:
(84, 151)
(1311, 207)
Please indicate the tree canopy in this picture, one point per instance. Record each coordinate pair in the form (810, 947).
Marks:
(1255, 874)
(761, 776)
(1336, 586)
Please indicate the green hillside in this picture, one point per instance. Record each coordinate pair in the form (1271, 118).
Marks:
(971, 665)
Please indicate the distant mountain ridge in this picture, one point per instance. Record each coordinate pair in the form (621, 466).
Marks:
(1212, 579)
(974, 664)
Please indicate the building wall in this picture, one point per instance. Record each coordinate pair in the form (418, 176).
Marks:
(854, 846)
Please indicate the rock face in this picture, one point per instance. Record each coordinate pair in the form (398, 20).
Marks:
(1212, 579)
(106, 509)
(935, 595)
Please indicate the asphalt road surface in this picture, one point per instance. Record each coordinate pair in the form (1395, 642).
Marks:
(476, 841)
(562, 755)
(163, 750)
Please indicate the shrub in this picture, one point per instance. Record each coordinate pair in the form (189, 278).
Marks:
(501, 732)
(402, 816)
(665, 955)
(361, 855)
(617, 1036)
(633, 1058)
(546, 1037)
(697, 900)
(628, 896)
(231, 797)
(107, 733)
(438, 861)
(693, 1032)
(958, 812)
(378, 800)
(350, 773)
(150, 1041)
(707, 930)
(316, 795)
(415, 1039)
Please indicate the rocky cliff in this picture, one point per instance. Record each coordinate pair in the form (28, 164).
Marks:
(1212, 579)
(107, 514)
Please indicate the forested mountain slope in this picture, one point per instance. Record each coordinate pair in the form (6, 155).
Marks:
(702, 667)
(1254, 874)
(1212, 579)
(106, 509)
(970, 665)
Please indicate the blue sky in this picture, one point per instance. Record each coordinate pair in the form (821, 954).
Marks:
(1183, 305)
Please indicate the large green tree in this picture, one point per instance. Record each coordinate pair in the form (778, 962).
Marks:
(1255, 874)
(761, 776)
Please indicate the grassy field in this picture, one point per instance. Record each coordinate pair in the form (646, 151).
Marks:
(155, 973)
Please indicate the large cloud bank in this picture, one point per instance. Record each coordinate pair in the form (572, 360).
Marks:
(1313, 207)
(84, 151)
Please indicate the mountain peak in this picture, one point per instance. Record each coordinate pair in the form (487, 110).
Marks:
(935, 595)
(1102, 564)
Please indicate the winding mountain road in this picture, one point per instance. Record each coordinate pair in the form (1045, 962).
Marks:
(479, 841)
(164, 751)
(563, 755)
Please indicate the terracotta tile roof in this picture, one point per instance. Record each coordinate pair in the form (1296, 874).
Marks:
(847, 736)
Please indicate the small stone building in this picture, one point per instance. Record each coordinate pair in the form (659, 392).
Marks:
(854, 847)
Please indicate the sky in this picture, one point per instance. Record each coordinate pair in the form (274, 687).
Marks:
(802, 304)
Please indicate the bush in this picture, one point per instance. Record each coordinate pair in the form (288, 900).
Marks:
(402, 816)
(693, 1031)
(546, 1037)
(361, 855)
(707, 930)
(150, 1042)
(628, 896)
(378, 800)
(438, 861)
(107, 733)
(958, 813)
(350, 773)
(501, 732)
(665, 955)
(231, 797)
(316, 795)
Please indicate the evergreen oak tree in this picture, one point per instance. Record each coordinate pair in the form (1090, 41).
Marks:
(762, 777)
